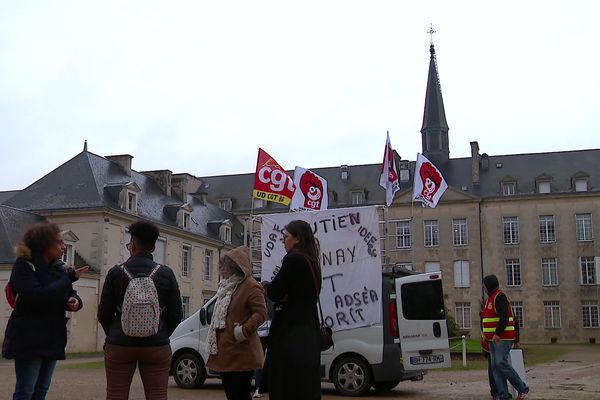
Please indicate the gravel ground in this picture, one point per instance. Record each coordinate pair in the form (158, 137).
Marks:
(574, 376)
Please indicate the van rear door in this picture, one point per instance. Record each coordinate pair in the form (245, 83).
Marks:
(422, 321)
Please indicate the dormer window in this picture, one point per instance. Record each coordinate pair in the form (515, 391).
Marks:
(543, 183)
(581, 185)
(358, 197)
(129, 197)
(404, 171)
(225, 231)
(509, 188)
(344, 172)
(184, 217)
(225, 204)
(580, 182)
(543, 187)
(131, 202)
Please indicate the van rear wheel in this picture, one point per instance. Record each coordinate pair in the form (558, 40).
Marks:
(188, 371)
(352, 376)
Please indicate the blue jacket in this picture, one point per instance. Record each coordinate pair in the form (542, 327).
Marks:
(37, 327)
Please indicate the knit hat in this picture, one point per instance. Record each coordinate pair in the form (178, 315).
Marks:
(491, 283)
(241, 256)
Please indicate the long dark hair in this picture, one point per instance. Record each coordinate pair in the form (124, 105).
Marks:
(307, 245)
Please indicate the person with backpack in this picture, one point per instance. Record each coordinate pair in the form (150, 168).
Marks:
(42, 290)
(139, 309)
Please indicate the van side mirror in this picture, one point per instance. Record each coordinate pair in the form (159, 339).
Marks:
(202, 315)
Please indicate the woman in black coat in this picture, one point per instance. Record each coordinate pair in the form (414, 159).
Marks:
(36, 333)
(293, 354)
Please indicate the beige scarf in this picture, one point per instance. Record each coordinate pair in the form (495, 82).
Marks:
(224, 292)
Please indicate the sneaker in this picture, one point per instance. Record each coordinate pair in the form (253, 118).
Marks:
(256, 395)
(522, 395)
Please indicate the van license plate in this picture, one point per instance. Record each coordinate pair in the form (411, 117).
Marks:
(431, 359)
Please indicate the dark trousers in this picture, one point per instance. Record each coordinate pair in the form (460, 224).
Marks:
(237, 384)
(153, 362)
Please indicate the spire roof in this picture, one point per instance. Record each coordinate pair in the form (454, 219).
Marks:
(434, 115)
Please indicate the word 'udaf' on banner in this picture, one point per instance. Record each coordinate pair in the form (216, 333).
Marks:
(311, 191)
(271, 182)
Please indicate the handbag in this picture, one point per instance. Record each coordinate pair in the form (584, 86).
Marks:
(325, 332)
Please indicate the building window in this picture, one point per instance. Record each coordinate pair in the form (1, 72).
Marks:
(68, 255)
(581, 185)
(463, 315)
(583, 224)
(547, 234)
(517, 308)
(431, 231)
(186, 258)
(225, 233)
(258, 203)
(589, 271)
(462, 278)
(543, 187)
(459, 232)
(590, 314)
(185, 306)
(551, 314)
(131, 202)
(358, 197)
(403, 235)
(407, 266)
(513, 272)
(208, 261)
(509, 188)
(185, 222)
(225, 204)
(160, 251)
(432, 266)
(549, 272)
(511, 230)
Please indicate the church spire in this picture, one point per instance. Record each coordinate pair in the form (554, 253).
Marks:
(434, 132)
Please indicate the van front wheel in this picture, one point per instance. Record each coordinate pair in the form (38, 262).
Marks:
(352, 376)
(188, 371)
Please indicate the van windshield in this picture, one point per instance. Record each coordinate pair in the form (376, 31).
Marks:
(423, 300)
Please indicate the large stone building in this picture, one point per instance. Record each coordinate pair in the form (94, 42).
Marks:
(94, 199)
(528, 218)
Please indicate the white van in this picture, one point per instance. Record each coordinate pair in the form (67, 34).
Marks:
(411, 339)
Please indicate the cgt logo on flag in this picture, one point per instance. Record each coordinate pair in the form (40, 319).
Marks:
(429, 185)
(313, 191)
(271, 182)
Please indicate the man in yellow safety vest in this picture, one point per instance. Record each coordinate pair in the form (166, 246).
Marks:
(499, 331)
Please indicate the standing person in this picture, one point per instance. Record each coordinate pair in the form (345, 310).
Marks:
(499, 331)
(232, 341)
(294, 352)
(36, 333)
(152, 354)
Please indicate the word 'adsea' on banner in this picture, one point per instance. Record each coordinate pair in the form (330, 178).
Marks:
(429, 184)
(271, 182)
(311, 191)
(389, 174)
(350, 261)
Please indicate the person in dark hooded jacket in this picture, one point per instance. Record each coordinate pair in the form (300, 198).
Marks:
(152, 354)
(36, 333)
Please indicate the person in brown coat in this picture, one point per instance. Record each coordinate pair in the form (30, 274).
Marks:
(233, 344)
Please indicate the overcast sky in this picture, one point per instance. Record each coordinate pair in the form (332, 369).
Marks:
(198, 86)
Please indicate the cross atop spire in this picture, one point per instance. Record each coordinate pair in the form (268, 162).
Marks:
(431, 32)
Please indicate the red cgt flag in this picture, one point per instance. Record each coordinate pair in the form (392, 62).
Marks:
(271, 182)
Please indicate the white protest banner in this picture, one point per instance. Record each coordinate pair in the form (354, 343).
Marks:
(350, 261)
(310, 193)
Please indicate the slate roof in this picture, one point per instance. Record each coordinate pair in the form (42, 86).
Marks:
(561, 166)
(13, 223)
(89, 181)
(4, 196)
